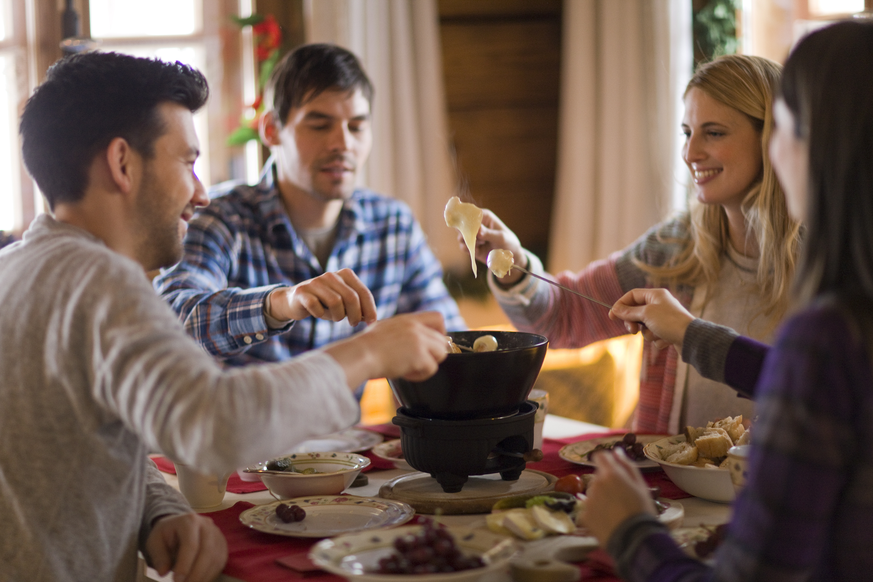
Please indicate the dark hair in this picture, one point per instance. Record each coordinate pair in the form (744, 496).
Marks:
(828, 86)
(310, 70)
(86, 101)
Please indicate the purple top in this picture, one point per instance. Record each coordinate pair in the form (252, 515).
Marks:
(806, 511)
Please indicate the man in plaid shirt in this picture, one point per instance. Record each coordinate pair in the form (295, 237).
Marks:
(272, 270)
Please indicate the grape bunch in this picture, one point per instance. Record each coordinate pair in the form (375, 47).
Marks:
(430, 552)
(290, 513)
(632, 448)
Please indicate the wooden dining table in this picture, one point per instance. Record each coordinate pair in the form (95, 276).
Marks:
(253, 554)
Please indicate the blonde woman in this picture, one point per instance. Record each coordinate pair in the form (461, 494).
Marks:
(729, 259)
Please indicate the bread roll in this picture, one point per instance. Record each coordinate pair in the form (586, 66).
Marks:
(714, 443)
(733, 426)
(684, 454)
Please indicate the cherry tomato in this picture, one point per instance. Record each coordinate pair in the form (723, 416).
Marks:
(572, 484)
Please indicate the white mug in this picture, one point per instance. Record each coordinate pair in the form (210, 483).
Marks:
(201, 490)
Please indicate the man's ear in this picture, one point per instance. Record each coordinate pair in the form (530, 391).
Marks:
(123, 163)
(269, 129)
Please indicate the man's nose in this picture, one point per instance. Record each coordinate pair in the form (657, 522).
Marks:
(341, 138)
(200, 198)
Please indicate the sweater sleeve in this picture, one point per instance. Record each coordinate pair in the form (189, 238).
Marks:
(567, 320)
(719, 353)
(166, 389)
(160, 499)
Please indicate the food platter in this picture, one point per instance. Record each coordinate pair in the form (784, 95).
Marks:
(355, 556)
(577, 453)
(329, 516)
(391, 452)
(353, 440)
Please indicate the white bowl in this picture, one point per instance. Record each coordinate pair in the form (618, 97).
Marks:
(355, 556)
(336, 471)
(710, 484)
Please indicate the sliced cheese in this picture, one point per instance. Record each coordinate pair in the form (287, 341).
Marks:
(550, 521)
(523, 525)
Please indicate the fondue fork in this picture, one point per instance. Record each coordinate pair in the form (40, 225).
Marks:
(550, 282)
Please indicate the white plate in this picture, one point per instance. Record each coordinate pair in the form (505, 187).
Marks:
(390, 451)
(329, 516)
(578, 452)
(353, 440)
(355, 556)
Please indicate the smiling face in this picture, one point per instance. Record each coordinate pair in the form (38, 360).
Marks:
(722, 150)
(323, 144)
(790, 157)
(169, 191)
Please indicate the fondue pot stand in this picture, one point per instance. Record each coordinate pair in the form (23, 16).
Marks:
(452, 450)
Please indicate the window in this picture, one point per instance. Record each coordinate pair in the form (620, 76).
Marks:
(194, 31)
(819, 8)
(190, 31)
(16, 203)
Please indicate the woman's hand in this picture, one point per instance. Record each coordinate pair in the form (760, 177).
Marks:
(493, 234)
(617, 492)
(656, 313)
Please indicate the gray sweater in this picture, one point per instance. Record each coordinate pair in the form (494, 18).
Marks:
(95, 370)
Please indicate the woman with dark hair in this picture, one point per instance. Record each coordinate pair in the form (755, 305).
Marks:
(806, 509)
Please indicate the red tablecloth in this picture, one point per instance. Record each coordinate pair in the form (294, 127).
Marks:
(253, 555)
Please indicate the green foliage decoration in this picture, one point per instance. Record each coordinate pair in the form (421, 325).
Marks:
(715, 29)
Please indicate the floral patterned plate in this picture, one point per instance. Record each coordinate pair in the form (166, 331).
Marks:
(578, 452)
(329, 516)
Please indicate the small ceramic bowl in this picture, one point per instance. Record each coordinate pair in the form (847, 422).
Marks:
(709, 484)
(335, 472)
(738, 465)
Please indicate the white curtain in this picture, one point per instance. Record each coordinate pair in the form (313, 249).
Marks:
(399, 46)
(624, 67)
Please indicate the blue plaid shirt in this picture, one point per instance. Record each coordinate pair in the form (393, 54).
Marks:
(242, 246)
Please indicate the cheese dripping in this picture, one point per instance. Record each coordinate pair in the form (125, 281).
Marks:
(467, 218)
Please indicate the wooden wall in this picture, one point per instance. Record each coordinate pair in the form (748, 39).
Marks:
(501, 61)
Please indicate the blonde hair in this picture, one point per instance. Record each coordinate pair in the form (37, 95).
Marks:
(747, 84)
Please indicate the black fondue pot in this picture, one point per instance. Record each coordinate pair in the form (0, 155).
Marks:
(472, 417)
(477, 385)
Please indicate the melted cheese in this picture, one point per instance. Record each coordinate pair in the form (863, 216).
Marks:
(467, 218)
(500, 261)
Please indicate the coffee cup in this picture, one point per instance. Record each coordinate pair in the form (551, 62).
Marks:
(202, 490)
(541, 397)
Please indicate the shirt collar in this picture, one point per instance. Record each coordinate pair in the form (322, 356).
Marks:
(351, 218)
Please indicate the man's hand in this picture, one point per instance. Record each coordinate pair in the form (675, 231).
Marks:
(407, 346)
(190, 545)
(655, 312)
(617, 492)
(332, 296)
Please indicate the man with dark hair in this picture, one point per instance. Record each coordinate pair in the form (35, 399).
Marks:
(97, 371)
(271, 270)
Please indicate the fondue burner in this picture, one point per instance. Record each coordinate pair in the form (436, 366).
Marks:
(452, 450)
